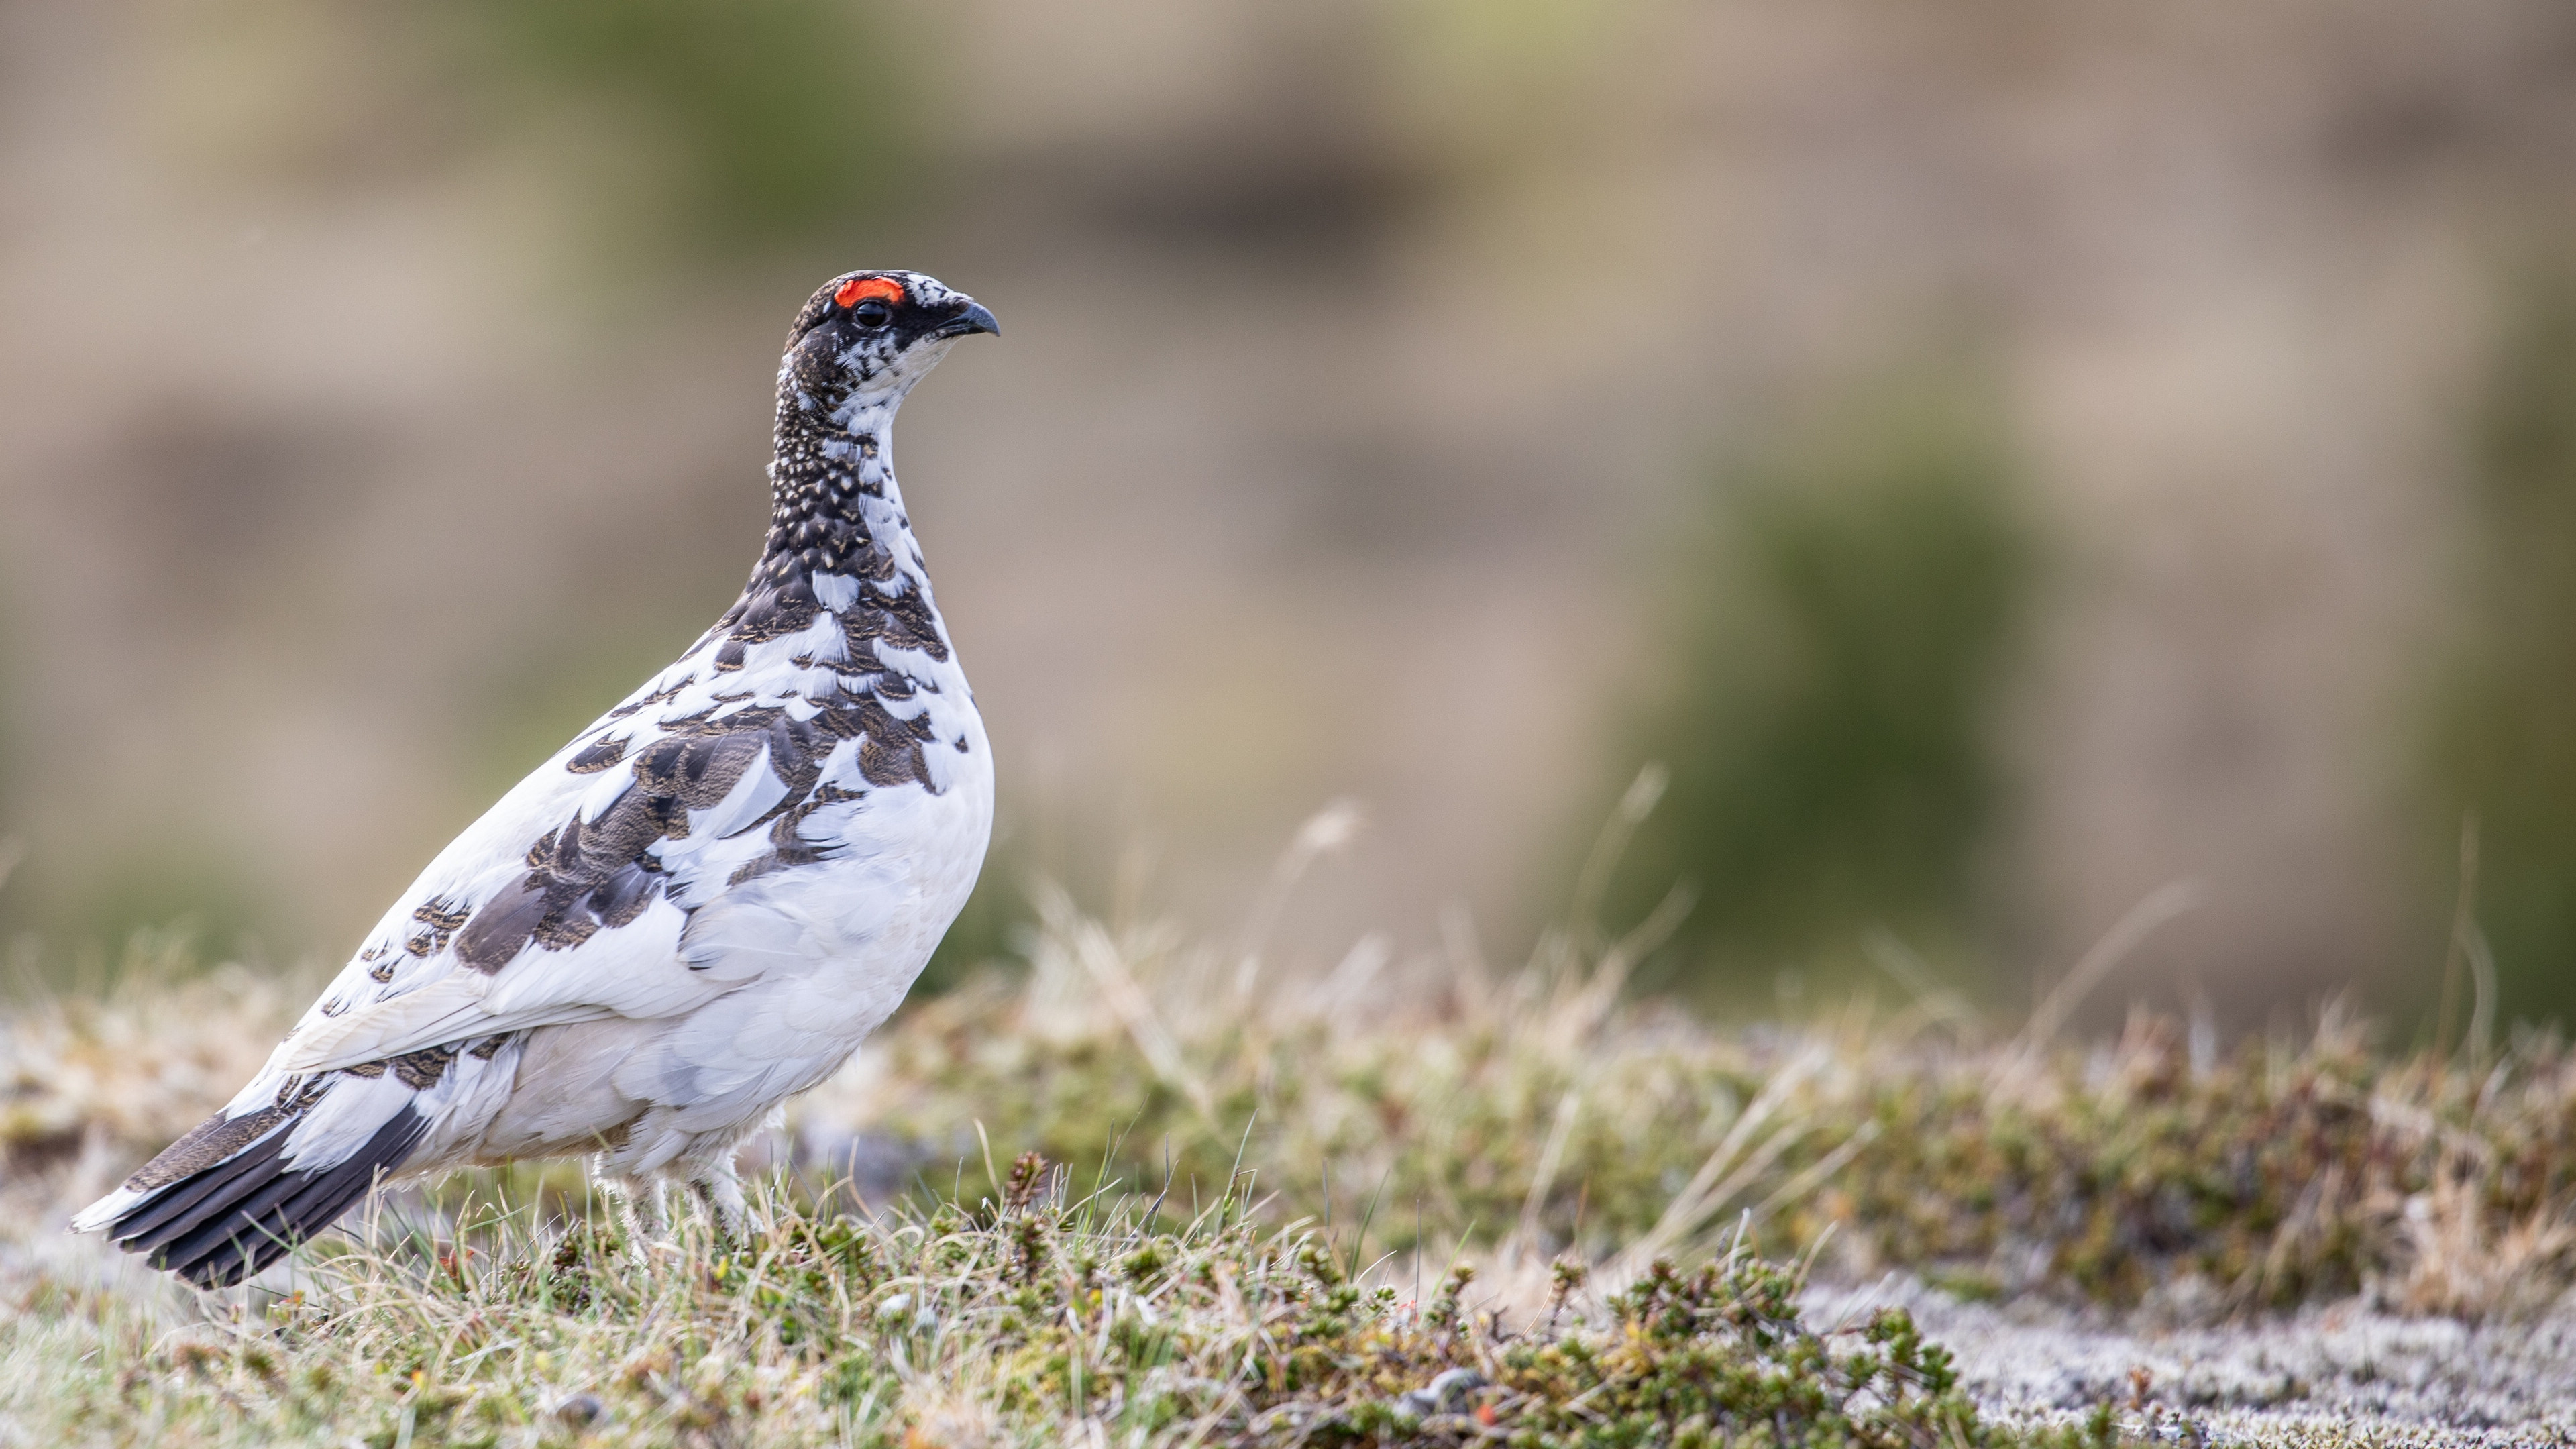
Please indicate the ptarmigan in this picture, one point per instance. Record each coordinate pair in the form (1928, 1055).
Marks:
(697, 909)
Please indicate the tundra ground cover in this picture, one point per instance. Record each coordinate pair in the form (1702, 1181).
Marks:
(1400, 1202)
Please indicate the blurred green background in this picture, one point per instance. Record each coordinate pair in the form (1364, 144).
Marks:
(1841, 631)
(2001, 459)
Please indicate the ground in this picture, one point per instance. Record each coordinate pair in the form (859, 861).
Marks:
(2332, 1374)
(1145, 1193)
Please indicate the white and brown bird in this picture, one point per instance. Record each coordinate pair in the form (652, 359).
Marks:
(697, 909)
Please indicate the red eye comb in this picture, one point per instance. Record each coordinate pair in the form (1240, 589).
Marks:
(859, 289)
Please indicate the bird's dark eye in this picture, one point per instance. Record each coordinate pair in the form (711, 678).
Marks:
(872, 313)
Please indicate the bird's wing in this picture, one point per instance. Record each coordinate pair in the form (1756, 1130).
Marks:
(573, 898)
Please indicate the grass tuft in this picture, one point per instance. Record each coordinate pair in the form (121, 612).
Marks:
(1034, 1319)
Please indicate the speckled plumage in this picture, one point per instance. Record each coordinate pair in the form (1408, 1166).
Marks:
(698, 908)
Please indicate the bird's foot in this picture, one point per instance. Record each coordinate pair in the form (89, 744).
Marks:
(642, 1212)
(719, 1196)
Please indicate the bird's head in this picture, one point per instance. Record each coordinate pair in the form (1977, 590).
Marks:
(867, 337)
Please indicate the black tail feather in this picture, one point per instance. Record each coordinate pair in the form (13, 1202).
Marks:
(188, 1202)
(252, 1221)
(251, 1209)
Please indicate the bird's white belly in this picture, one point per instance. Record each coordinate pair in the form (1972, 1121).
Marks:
(838, 942)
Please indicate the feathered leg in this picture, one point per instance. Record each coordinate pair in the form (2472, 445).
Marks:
(642, 1205)
(718, 1189)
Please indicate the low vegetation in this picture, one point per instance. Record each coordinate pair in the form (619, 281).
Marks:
(1029, 1320)
(1398, 1201)
(1543, 1114)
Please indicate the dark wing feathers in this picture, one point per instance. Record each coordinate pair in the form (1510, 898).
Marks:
(587, 875)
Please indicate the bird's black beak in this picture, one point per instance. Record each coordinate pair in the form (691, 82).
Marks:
(976, 318)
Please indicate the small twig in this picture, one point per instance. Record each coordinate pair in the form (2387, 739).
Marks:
(1567, 1109)
(2163, 904)
(2464, 921)
(1324, 832)
(1583, 914)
